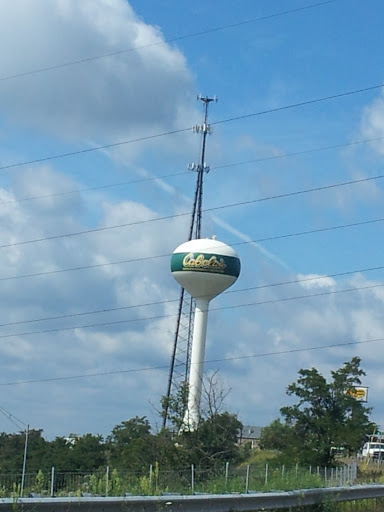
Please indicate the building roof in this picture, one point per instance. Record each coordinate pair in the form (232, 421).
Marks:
(251, 432)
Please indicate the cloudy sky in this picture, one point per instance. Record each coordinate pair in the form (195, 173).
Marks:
(97, 99)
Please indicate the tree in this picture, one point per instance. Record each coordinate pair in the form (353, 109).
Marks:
(213, 395)
(173, 407)
(326, 416)
(131, 444)
(87, 453)
(12, 451)
(59, 452)
(276, 436)
(214, 441)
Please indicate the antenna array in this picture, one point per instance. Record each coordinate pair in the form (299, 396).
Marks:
(181, 352)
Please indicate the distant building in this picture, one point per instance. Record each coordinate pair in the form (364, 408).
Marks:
(250, 434)
(71, 439)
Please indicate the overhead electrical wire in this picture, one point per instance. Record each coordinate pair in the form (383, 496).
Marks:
(158, 317)
(98, 187)
(207, 361)
(168, 301)
(13, 419)
(214, 208)
(298, 153)
(166, 41)
(183, 130)
(185, 173)
(275, 237)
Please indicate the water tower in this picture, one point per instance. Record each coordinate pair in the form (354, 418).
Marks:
(204, 268)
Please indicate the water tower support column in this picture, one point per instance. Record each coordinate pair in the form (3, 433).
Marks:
(192, 417)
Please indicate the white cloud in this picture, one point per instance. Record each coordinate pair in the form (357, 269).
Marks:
(100, 348)
(118, 97)
(309, 281)
(372, 125)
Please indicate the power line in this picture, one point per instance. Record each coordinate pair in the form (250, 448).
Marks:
(99, 187)
(215, 208)
(85, 267)
(90, 150)
(298, 297)
(298, 153)
(183, 130)
(167, 41)
(185, 173)
(158, 317)
(13, 419)
(299, 104)
(162, 302)
(320, 230)
(299, 192)
(276, 237)
(306, 279)
(207, 361)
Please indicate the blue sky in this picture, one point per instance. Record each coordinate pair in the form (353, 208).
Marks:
(263, 63)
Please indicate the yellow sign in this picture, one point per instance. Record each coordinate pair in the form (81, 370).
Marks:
(360, 393)
(201, 261)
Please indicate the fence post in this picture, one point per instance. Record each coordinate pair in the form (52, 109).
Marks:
(150, 476)
(282, 472)
(107, 481)
(266, 473)
(193, 479)
(325, 475)
(247, 480)
(52, 481)
(226, 474)
(296, 469)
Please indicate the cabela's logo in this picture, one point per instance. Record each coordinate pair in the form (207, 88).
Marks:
(203, 262)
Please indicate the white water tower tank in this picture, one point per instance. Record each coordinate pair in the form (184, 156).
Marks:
(205, 267)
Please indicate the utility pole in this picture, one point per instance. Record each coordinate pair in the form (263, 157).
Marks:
(180, 359)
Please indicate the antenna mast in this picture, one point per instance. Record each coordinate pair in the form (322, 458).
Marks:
(180, 359)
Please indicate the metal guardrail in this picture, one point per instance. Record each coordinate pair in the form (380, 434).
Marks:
(213, 503)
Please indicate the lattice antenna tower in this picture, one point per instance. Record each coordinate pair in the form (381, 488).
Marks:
(180, 359)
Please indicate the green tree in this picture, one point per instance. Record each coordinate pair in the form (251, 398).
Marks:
(276, 436)
(173, 407)
(59, 453)
(214, 441)
(12, 451)
(74, 453)
(326, 415)
(131, 444)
